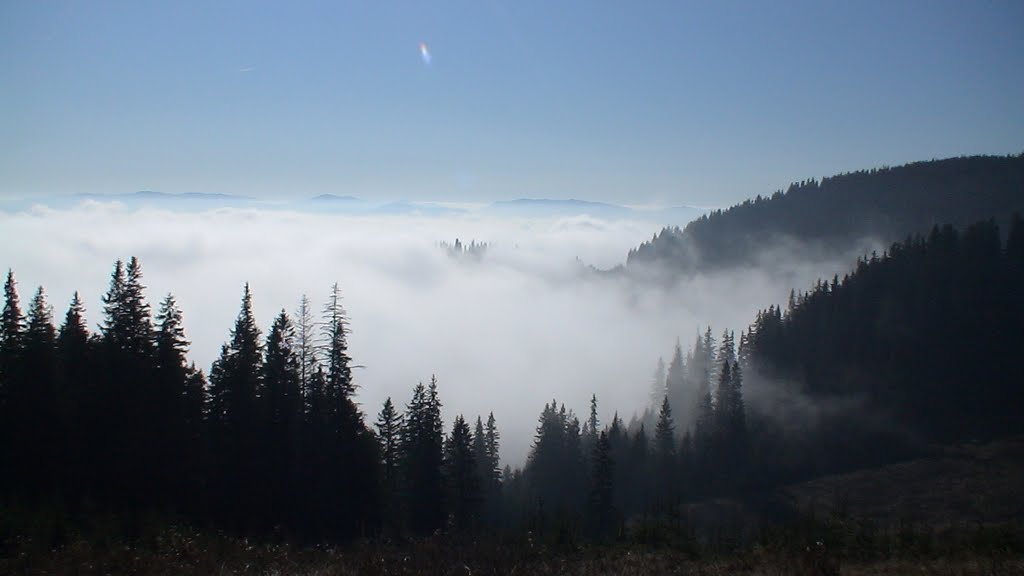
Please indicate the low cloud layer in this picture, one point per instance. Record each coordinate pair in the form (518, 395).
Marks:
(504, 334)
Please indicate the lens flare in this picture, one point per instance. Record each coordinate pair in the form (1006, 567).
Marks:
(424, 53)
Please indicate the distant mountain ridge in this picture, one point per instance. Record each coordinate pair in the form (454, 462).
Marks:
(354, 205)
(836, 213)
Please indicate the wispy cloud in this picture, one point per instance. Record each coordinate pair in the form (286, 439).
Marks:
(247, 69)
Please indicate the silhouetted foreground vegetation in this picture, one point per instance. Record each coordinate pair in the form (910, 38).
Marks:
(106, 436)
(807, 549)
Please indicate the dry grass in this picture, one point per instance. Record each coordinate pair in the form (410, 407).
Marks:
(178, 551)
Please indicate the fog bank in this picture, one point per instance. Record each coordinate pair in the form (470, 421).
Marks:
(524, 324)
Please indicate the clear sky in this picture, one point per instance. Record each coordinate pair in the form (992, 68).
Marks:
(633, 102)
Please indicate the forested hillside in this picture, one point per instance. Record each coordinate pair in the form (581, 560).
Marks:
(923, 342)
(832, 215)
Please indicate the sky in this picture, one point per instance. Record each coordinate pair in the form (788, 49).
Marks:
(674, 102)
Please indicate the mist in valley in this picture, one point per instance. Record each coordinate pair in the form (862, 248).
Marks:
(528, 322)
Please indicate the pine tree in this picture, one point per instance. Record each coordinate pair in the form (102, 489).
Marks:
(127, 393)
(601, 488)
(235, 392)
(664, 434)
(75, 401)
(492, 447)
(281, 379)
(480, 452)
(723, 402)
(707, 361)
(235, 383)
(166, 403)
(679, 391)
(305, 345)
(389, 435)
(665, 454)
(422, 455)
(462, 476)
(659, 384)
(136, 310)
(590, 428)
(12, 333)
(33, 397)
(113, 328)
(334, 348)
(282, 414)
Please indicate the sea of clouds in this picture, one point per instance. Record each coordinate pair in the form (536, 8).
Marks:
(525, 324)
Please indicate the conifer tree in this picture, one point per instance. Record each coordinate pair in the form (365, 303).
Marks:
(235, 383)
(678, 388)
(166, 401)
(664, 434)
(12, 333)
(75, 401)
(492, 447)
(235, 391)
(423, 455)
(281, 380)
(127, 392)
(590, 427)
(334, 348)
(462, 476)
(389, 435)
(665, 453)
(601, 488)
(659, 384)
(305, 345)
(282, 414)
(480, 451)
(33, 396)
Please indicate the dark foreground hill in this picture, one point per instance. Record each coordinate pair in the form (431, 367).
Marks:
(834, 215)
(958, 485)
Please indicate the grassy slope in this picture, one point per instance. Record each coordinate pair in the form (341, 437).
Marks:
(966, 485)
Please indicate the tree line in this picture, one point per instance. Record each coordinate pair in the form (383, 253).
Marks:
(885, 204)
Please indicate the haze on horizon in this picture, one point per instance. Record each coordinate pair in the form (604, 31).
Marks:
(667, 103)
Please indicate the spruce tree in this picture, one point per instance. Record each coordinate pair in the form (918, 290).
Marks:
(664, 434)
(127, 392)
(590, 427)
(282, 411)
(601, 488)
(480, 451)
(462, 476)
(665, 454)
(33, 397)
(423, 455)
(235, 391)
(305, 345)
(334, 348)
(171, 445)
(492, 446)
(75, 401)
(659, 384)
(12, 333)
(389, 435)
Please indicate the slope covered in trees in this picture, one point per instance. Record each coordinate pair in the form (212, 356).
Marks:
(833, 215)
(922, 343)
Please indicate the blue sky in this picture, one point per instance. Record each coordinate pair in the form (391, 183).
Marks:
(671, 102)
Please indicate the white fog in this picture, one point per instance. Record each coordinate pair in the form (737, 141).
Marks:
(504, 334)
